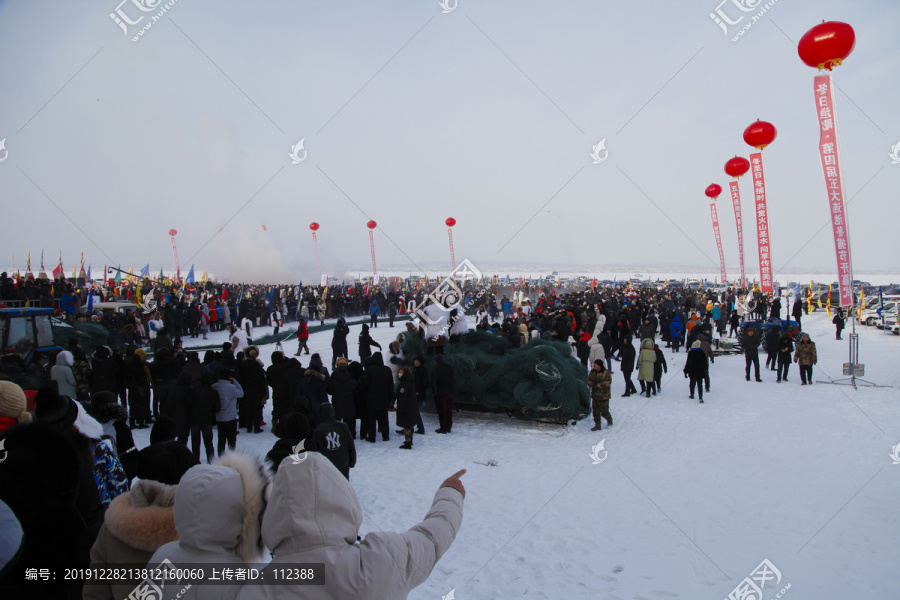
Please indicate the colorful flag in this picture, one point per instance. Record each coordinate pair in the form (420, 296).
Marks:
(203, 277)
(190, 276)
(119, 275)
(594, 283)
(828, 301)
(28, 264)
(862, 299)
(809, 293)
(145, 272)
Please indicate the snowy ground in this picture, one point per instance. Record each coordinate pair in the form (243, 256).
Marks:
(689, 500)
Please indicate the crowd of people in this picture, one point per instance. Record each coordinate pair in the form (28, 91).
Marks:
(82, 408)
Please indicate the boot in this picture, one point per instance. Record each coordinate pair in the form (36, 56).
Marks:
(406, 446)
(596, 427)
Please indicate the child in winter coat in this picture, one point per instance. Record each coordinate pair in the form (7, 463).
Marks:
(658, 367)
(63, 375)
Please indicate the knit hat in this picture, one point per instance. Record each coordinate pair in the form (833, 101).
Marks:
(52, 409)
(696, 345)
(13, 403)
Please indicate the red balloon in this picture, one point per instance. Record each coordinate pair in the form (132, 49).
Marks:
(737, 166)
(760, 134)
(371, 224)
(826, 45)
(714, 190)
(173, 232)
(450, 222)
(314, 226)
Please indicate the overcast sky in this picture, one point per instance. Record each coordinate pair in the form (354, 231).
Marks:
(487, 113)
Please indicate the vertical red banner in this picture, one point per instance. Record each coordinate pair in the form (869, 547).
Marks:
(738, 220)
(828, 152)
(715, 221)
(762, 223)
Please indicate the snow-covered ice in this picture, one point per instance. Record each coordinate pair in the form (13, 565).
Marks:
(690, 499)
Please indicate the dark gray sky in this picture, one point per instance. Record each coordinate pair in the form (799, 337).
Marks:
(487, 113)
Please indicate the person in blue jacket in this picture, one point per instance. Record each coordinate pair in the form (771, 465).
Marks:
(374, 311)
(676, 329)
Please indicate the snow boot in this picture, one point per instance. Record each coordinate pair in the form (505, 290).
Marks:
(406, 446)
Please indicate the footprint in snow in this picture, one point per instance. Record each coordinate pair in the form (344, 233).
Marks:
(488, 463)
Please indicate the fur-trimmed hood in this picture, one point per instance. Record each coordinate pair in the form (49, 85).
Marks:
(219, 508)
(144, 518)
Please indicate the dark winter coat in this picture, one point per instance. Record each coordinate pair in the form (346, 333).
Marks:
(599, 382)
(366, 342)
(442, 379)
(697, 365)
(332, 439)
(627, 355)
(660, 365)
(313, 386)
(342, 386)
(277, 379)
(407, 406)
(750, 343)
(377, 384)
(785, 349)
(203, 407)
(178, 404)
(423, 382)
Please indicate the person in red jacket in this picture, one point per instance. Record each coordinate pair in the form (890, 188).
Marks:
(302, 338)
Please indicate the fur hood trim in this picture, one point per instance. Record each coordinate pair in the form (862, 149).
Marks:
(256, 483)
(86, 424)
(144, 518)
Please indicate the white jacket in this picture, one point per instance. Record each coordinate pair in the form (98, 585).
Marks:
(314, 516)
(597, 351)
(217, 516)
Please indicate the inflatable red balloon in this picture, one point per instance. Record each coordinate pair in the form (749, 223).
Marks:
(760, 134)
(371, 224)
(826, 45)
(314, 226)
(714, 190)
(173, 232)
(450, 222)
(737, 166)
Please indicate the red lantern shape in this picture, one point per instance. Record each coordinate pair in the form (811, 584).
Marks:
(173, 232)
(826, 45)
(737, 166)
(713, 190)
(450, 222)
(760, 134)
(315, 227)
(371, 224)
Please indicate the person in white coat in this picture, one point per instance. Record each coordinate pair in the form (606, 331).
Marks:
(62, 374)
(314, 516)
(597, 352)
(218, 510)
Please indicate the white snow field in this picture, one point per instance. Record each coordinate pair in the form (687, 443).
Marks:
(689, 500)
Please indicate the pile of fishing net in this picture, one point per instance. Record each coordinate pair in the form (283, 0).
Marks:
(539, 381)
